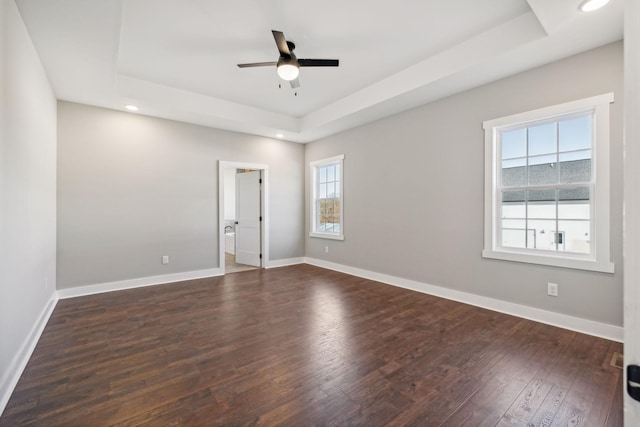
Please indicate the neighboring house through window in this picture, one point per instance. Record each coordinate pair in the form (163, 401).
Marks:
(547, 186)
(326, 198)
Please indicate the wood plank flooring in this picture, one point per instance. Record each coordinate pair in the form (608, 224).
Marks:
(301, 345)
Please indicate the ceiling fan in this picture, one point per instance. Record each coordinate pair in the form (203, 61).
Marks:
(288, 66)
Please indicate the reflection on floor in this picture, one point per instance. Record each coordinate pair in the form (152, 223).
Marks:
(230, 265)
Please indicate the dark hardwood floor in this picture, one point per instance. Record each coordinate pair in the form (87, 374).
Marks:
(301, 345)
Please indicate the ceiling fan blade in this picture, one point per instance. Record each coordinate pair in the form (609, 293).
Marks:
(281, 42)
(319, 62)
(257, 64)
(294, 83)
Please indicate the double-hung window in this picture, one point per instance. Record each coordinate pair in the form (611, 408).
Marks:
(547, 186)
(326, 198)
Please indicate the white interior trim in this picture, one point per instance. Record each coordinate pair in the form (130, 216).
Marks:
(599, 259)
(631, 229)
(585, 326)
(284, 262)
(543, 113)
(10, 378)
(339, 159)
(555, 261)
(120, 285)
(264, 206)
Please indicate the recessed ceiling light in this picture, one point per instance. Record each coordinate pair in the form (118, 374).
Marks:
(591, 5)
(279, 135)
(131, 107)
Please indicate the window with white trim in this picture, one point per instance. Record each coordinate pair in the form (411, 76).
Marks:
(547, 186)
(326, 198)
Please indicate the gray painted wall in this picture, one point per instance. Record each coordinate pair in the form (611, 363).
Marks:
(27, 191)
(132, 188)
(413, 191)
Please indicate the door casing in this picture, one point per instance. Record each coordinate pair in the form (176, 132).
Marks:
(631, 236)
(264, 208)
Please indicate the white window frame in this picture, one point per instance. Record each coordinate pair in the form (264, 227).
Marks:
(314, 192)
(599, 258)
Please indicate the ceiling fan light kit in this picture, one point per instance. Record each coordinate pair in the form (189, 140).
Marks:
(288, 65)
(288, 71)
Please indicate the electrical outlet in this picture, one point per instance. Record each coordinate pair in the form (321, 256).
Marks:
(552, 289)
(165, 259)
(326, 249)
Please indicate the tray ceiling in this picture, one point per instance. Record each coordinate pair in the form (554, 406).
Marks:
(177, 59)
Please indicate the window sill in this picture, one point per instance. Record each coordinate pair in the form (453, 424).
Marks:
(327, 236)
(565, 262)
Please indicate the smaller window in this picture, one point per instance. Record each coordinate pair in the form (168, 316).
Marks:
(326, 198)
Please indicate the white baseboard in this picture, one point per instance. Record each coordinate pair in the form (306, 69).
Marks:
(10, 379)
(585, 326)
(136, 283)
(284, 262)
(158, 280)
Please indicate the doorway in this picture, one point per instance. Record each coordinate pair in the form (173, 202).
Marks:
(243, 216)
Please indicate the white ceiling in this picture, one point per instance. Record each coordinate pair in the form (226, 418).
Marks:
(177, 59)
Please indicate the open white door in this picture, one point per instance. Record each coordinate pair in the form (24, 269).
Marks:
(248, 219)
(631, 203)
